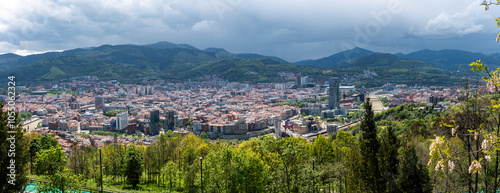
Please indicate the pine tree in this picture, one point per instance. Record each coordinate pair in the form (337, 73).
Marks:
(13, 153)
(369, 147)
(133, 165)
(413, 176)
(389, 159)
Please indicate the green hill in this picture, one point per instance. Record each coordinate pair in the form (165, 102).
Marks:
(337, 60)
(254, 70)
(152, 57)
(66, 67)
(7, 61)
(449, 59)
(164, 60)
(390, 68)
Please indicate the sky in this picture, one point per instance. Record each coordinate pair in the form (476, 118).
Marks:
(291, 29)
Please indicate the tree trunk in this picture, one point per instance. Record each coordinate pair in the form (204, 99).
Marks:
(340, 184)
(287, 179)
(477, 158)
(469, 179)
(495, 186)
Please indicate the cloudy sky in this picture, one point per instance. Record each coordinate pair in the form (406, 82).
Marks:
(291, 29)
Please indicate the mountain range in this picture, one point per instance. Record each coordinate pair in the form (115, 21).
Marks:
(171, 61)
(446, 59)
(162, 60)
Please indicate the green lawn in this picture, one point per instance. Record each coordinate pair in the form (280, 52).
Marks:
(115, 184)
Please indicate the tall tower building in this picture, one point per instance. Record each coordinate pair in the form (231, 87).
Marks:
(170, 119)
(154, 116)
(304, 80)
(334, 93)
(298, 82)
(154, 121)
(149, 90)
(121, 120)
(277, 126)
(99, 102)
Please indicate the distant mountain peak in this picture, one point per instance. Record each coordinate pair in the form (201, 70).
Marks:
(11, 55)
(359, 49)
(169, 45)
(376, 58)
(447, 58)
(389, 63)
(215, 50)
(338, 60)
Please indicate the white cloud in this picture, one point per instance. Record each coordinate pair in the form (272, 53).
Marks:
(30, 52)
(203, 25)
(463, 22)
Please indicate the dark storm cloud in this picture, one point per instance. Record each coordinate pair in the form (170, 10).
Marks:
(293, 29)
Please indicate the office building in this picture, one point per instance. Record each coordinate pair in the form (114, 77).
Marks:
(170, 120)
(121, 120)
(154, 121)
(334, 93)
(99, 102)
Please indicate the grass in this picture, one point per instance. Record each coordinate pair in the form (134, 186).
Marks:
(141, 187)
(398, 70)
(54, 73)
(117, 185)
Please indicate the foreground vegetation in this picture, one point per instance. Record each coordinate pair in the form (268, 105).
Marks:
(399, 150)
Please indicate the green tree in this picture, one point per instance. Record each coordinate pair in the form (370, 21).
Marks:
(192, 148)
(50, 161)
(40, 143)
(344, 146)
(113, 113)
(253, 174)
(293, 153)
(355, 171)
(170, 170)
(413, 176)
(61, 181)
(133, 165)
(369, 147)
(322, 149)
(13, 153)
(79, 162)
(389, 159)
(33, 149)
(47, 141)
(234, 169)
(203, 135)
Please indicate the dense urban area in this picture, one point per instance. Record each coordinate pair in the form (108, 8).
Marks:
(248, 137)
(217, 108)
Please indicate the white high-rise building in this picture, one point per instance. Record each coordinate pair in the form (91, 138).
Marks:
(304, 80)
(279, 86)
(277, 126)
(149, 90)
(122, 120)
